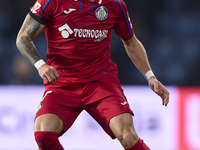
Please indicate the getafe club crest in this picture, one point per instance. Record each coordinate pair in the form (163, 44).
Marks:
(101, 13)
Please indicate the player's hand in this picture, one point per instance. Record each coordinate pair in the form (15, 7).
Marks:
(48, 73)
(159, 89)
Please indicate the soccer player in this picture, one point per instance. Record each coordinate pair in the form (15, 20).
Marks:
(79, 74)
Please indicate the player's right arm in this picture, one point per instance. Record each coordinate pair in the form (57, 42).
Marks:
(29, 30)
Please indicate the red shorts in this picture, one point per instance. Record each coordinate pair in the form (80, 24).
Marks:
(102, 99)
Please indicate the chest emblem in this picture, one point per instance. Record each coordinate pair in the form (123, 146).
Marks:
(101, 13)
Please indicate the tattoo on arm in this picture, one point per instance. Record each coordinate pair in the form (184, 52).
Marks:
(28, 49)
(31, 26)
(34, 29)
(25, 41)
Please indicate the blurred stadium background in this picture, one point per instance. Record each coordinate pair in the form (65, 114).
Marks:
(170, 32)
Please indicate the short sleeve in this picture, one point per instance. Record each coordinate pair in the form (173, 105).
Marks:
(43, 10)
(123, 27)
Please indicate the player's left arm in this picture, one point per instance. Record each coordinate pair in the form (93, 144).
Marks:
(138, 55)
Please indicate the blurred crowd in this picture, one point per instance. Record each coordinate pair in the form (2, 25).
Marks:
(169, 30)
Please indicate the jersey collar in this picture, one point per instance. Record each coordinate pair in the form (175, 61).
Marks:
(96, 1)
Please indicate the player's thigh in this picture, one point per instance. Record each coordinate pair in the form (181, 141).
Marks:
(49, 122)
(57, 111)
(122, 125)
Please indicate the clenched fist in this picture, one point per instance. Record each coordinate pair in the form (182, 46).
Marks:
(48, 73)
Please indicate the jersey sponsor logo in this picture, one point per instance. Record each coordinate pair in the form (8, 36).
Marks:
(35, 7)
(98, 35)
(69, 11)
(101, 13)
(87, 33)
(65, 30)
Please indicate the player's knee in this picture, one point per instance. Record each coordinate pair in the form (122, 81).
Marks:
(128, 138)
(46, 140)
(49, 122)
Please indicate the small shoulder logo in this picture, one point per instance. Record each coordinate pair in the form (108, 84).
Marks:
(36, 6)
(101, 13)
